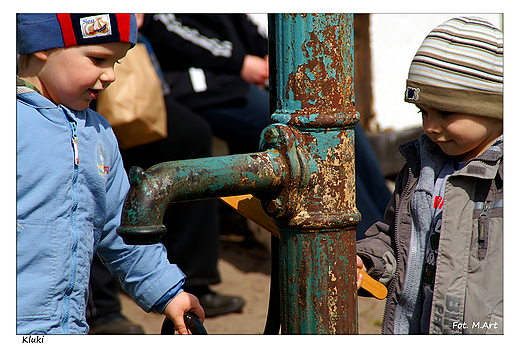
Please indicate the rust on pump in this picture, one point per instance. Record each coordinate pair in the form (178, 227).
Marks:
(318, 103)
(323, 83)
(315, 97)
(304, 174)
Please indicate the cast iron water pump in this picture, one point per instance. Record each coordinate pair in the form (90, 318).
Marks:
(304, 174)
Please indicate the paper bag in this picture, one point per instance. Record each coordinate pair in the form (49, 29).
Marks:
(134, 103)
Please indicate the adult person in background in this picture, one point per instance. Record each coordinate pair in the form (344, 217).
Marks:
(216, 65)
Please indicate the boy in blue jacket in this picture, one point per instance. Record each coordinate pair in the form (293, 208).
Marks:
(71, 183)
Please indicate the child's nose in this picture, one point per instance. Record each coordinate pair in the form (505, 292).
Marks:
(430, 125)
(108, 75)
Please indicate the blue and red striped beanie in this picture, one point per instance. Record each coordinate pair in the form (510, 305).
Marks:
(459, 68)
(43, 31)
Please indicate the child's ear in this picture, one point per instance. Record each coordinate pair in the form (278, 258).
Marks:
(41, 55)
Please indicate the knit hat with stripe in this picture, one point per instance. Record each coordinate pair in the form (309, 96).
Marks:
(43, 31)
(459, 68)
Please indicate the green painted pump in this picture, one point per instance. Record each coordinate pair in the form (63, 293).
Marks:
(303, 174)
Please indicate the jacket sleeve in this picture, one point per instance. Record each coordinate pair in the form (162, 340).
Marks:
(256, 42)
(378, 249)
(180, 45)
(144, 271)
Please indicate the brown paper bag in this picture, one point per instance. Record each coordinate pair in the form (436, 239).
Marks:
(134, 103)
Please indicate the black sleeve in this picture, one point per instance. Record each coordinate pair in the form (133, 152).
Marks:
(255, 42)
(183, 41)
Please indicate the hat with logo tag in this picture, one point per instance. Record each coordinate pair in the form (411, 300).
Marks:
(43, 31)
(459, 68)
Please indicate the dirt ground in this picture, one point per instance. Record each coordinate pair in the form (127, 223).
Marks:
(244, 266)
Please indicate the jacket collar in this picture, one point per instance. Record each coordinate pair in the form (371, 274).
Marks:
(23, 86)
(423, 152)
(32, 97)
(414, 150)
(487, 164)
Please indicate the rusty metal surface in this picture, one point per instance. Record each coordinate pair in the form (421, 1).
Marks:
(314, 84)
(316, 281)
(153, 190)
(304, 177)
(314, 97)
(313, 80)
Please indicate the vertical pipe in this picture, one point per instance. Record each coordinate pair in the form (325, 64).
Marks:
(312, 93)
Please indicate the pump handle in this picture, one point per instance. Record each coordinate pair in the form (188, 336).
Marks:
(251, 208)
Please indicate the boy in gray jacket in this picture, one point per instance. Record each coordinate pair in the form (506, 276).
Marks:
(439, 249)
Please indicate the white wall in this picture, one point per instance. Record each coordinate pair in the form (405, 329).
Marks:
(395, 39)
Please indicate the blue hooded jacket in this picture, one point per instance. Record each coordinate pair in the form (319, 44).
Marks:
(71, 187)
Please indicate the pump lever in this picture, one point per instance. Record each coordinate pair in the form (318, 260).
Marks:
(251, 208)
(193, 324)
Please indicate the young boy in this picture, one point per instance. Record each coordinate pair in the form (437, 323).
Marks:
(71, 183)
(439, 249)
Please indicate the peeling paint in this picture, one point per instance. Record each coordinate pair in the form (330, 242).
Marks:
(315, 96)
(161, 185)
(304, 175)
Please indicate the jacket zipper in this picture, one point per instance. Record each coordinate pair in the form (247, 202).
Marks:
(483, 230)
(75, 143)
(396, 241)
(483, 223)
(73, 216)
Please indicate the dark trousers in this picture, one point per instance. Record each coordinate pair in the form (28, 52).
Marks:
(240, 125)
(372, 194)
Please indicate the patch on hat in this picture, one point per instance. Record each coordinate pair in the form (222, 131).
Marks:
(412, 94)
(95, 26)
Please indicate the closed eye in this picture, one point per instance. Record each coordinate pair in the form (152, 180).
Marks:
(97, 59)
(445, 114)
(102, 60)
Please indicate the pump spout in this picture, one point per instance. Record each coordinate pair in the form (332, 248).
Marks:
(153, 190)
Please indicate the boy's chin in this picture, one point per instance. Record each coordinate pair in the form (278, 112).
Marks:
(79, 106)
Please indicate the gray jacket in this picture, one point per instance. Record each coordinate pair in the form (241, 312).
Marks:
(468, 290)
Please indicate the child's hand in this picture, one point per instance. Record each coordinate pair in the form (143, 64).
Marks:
(360, 265)
(181, 304)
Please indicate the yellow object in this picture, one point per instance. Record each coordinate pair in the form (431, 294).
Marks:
(251, 208)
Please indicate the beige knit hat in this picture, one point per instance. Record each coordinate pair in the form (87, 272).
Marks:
(459, 68)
